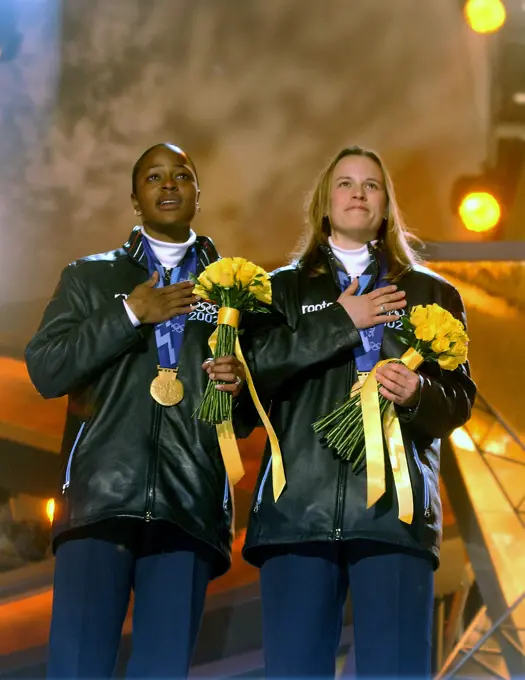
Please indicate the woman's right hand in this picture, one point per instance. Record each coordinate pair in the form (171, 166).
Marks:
(371, 309)
(155, 305)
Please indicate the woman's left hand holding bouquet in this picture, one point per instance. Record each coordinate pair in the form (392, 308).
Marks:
(399, 384)
(228, 370)
(236, 286)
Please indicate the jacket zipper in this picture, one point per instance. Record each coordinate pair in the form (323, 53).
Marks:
(67, 478)
(426, 492)
(343, 467)
(152, 472)
(339, 503)
(226, 494)
(261, 488)
(341, 482)
(150, 494)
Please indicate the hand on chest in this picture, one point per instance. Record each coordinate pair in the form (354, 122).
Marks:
(384, 339)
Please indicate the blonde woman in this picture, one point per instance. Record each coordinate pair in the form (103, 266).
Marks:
(341, 302)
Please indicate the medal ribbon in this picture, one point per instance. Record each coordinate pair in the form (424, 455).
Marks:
(227, 441)
(169, 334)
(367, 361)
(391, 429)
(367, 354)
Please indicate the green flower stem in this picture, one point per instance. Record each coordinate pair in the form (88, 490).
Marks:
(331, 418)
(349, 419)
(359, 458)
(339, 412)
(343, 429)
(349, 429)
(216, 406)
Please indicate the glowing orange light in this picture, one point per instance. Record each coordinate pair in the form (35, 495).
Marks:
(50, 509)
(485, 16)
(462, 439)
(498, 446)
(479, 211)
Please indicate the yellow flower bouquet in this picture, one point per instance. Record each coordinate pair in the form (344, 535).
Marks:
(358, 428)
(432, 334)
(236, 286)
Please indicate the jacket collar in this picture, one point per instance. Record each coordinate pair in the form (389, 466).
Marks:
(391, 345)
(134, 248)
(373, 268)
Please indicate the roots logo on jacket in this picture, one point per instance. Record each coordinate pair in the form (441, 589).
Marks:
(305, 309)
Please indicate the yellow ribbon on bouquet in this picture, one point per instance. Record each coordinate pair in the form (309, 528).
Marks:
(373, 429)
(225, 433)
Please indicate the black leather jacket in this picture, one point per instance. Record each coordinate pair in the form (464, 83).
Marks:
(304, 366)
(123, 454)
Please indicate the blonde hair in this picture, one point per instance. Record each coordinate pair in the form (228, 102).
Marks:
(393, 237)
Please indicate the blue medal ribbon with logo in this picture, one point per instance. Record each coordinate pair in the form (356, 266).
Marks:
(376, 431)
(367, 354)
(167, 389)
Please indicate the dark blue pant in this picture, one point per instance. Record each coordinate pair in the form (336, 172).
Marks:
(304, 590)
(94, 577)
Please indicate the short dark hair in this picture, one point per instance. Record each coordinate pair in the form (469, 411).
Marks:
(168, 145)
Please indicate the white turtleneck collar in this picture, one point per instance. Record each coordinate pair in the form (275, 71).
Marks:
(354, 261)
(169, 254)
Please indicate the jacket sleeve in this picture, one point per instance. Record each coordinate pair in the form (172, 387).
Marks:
(73, 342)
(279, 349)
(446, 397)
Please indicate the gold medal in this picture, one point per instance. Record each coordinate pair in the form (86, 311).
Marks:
(166, 388)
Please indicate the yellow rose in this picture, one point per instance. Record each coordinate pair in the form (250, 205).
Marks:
(462, 358)
(460, 349)
(246, 273)
(213, 271)
(448, 362)
(435, 312)
(261, 286)
(441, 343)
(263, 293)
(265, 278)
(456, 330)
(237, 263)
(204, 281)
(451, 328)
(261, 275)
(418, 315)
(459, 327)
(201, 292)
(447, 323)
(426, 332)
(463, 338)
(221, 273)
(226, 278)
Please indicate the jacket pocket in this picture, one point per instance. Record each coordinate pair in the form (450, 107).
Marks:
(67, 477)
(261, 488)
(426, 490)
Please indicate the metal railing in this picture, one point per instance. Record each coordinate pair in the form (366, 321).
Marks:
(493, 648)
(460, 647)
(484, 407)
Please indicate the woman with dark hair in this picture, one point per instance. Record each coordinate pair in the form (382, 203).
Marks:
(144, 500)
(340, 304)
